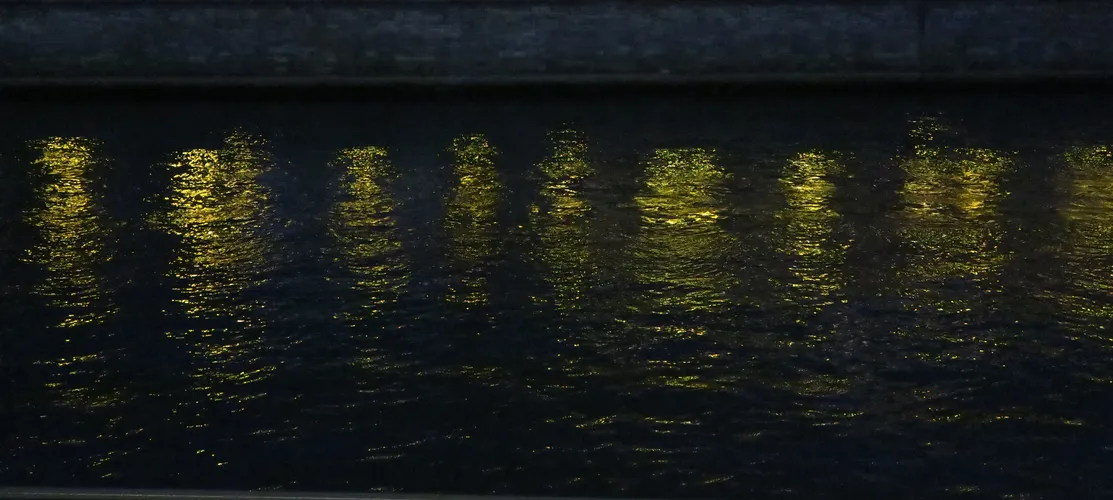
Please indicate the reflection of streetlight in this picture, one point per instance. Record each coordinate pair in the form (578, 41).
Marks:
(950, 218)
(1090, 230)
(471, 216)
(562, 219)
(677, 262)
(73, 243)
(364, 227)
(216, 206)
(951, 197)
(73, 233)
(809, 226)
(682, 244)
(807, 240)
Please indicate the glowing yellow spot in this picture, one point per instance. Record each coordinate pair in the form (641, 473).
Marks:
(681, 243)
(950, 218)
(808, 236)
(364, 228)
(217, 208)
(562, 220)
(73, 244)
(471, 217)
(73, 237)
(1089, 187)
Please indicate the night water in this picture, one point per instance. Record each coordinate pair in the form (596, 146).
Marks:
(735, 297)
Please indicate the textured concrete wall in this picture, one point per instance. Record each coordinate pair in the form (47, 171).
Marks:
(1024, 38)
(500, 40)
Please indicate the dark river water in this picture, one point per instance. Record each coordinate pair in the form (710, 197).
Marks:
(651, 296)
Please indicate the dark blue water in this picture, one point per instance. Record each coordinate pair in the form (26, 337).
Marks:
(660, 297)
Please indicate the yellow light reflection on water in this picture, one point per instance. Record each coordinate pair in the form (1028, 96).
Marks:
(72, 232)
(364, 227)
(951, 198)
(1090, 237)
(561, 219)
(73, 242)
(681, 244)
(808, 241)
(471, 217)
(678, 258)
(216, 207)
(809, 229)
(951, 218)
(678, 255)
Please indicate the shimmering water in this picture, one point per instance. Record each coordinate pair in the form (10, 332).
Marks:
(769, 296)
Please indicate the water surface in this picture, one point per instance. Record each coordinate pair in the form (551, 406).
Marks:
(649, 296)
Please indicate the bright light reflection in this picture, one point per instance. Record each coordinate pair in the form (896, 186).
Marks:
(950, 218)
(471, 217)
(678, 261)
(73, 236)
(364, 228)
(951, 197)
(562, 220)
(809, 229)
(681, 245)
(217, 208)
(1089, 256)
(73, 242)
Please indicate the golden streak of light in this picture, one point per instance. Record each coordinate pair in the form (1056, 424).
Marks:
(562, 220)
(471, 216)
(364, 227)
(73, 242)
(216, 206)
(809, 228)
(677, 261)
(1090, 238)
(678, 253)
(951, 198)
(72, 231)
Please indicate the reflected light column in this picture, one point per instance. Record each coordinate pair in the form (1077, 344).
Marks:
(471, 218)
(816, 266)
(561, 219)
(950, 218)
(364, 228)
(679, 265)
(809, 229)
(1090, 239)
(951, 198)
(217, 208)
(73, 243)
(680, 251)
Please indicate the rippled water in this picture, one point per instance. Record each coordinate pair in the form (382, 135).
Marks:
(768, 296)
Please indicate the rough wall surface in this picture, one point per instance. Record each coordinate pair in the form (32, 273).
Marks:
(502, 40)
(1015, 37)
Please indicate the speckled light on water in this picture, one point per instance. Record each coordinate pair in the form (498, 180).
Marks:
(651, 297)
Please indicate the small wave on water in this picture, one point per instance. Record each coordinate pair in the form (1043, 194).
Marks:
(710, 300)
